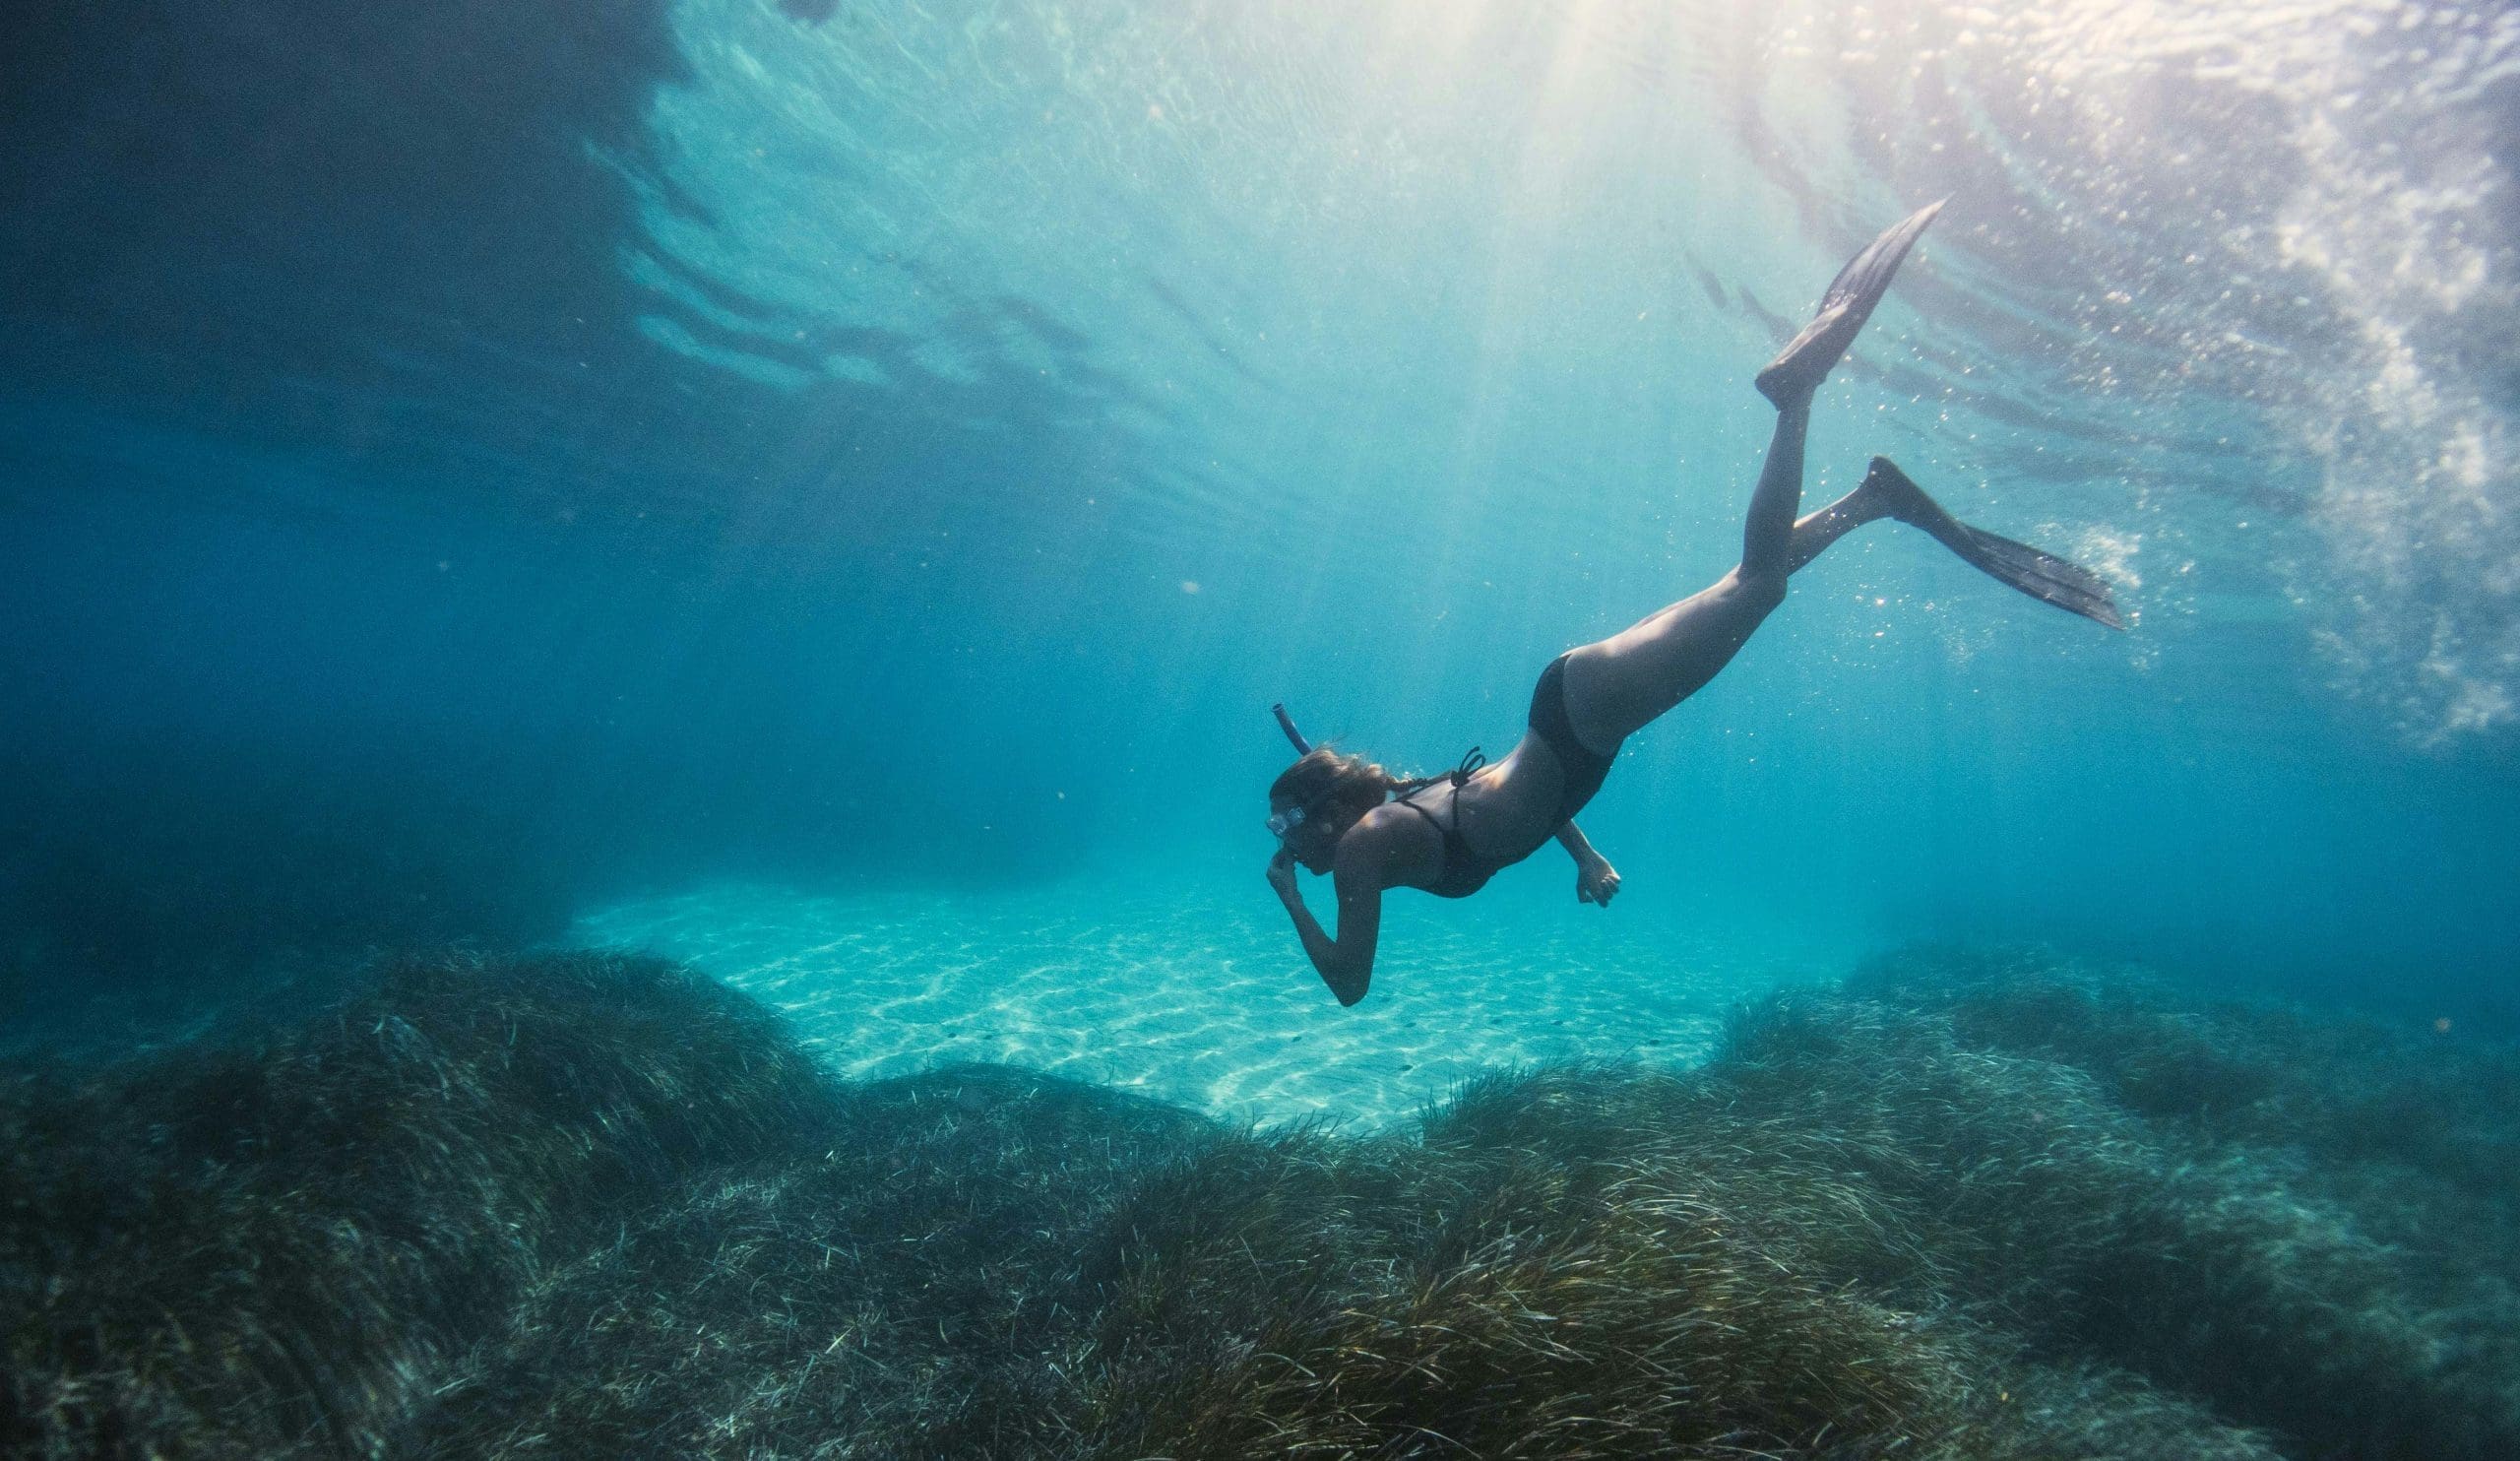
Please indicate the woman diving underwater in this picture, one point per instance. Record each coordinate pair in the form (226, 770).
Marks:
(1372, 831)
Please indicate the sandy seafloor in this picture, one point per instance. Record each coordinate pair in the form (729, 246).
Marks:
(1202, 999)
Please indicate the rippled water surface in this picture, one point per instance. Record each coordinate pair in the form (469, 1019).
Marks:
(488, 470)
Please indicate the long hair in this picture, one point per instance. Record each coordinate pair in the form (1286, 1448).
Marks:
(1323, 778)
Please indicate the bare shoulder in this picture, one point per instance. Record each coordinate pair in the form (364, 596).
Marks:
(1387, 845)
(1378, 831)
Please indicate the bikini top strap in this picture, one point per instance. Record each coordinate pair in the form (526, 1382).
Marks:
(1471, 762)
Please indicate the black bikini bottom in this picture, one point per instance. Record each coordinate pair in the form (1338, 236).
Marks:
(1582, 768)
(1580, 771)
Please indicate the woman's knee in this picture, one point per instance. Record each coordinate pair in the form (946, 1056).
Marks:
(1760, 590)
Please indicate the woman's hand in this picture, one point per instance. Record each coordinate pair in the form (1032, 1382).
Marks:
(1282, 877)
(1595, 882)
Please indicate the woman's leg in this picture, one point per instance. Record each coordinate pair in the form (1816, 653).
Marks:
(1617, 684)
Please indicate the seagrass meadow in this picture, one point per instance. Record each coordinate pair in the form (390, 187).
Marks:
(1959, 1205)
(660, 666)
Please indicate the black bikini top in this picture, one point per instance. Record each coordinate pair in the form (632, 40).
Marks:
(1465, 871)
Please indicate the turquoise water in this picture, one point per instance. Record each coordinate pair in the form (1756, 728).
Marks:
(468, 472)
(827, 494)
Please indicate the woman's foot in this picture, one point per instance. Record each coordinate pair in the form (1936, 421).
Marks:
(1798, 371)
(1888, 492)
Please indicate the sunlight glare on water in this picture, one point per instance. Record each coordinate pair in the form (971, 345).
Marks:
(2202, 245)
(813, 442)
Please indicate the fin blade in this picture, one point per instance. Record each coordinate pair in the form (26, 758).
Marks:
(1844, 308)
(2034, 571)
(1866, 277)
(2043, 576)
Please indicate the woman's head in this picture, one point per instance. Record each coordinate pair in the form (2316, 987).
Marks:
(1319, 798)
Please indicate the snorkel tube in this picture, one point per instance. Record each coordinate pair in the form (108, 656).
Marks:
(1287, 723)
(1286, 857)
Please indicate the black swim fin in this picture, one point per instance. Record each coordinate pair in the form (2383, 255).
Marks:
(1798, 369)
(2042, 575)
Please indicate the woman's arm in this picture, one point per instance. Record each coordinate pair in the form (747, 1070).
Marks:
(1344, 961)
(1596, 880)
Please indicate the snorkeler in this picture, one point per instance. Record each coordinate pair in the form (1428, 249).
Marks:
(1372, 831)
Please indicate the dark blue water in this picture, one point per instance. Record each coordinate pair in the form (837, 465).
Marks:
(828, 492)
(461, 469)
